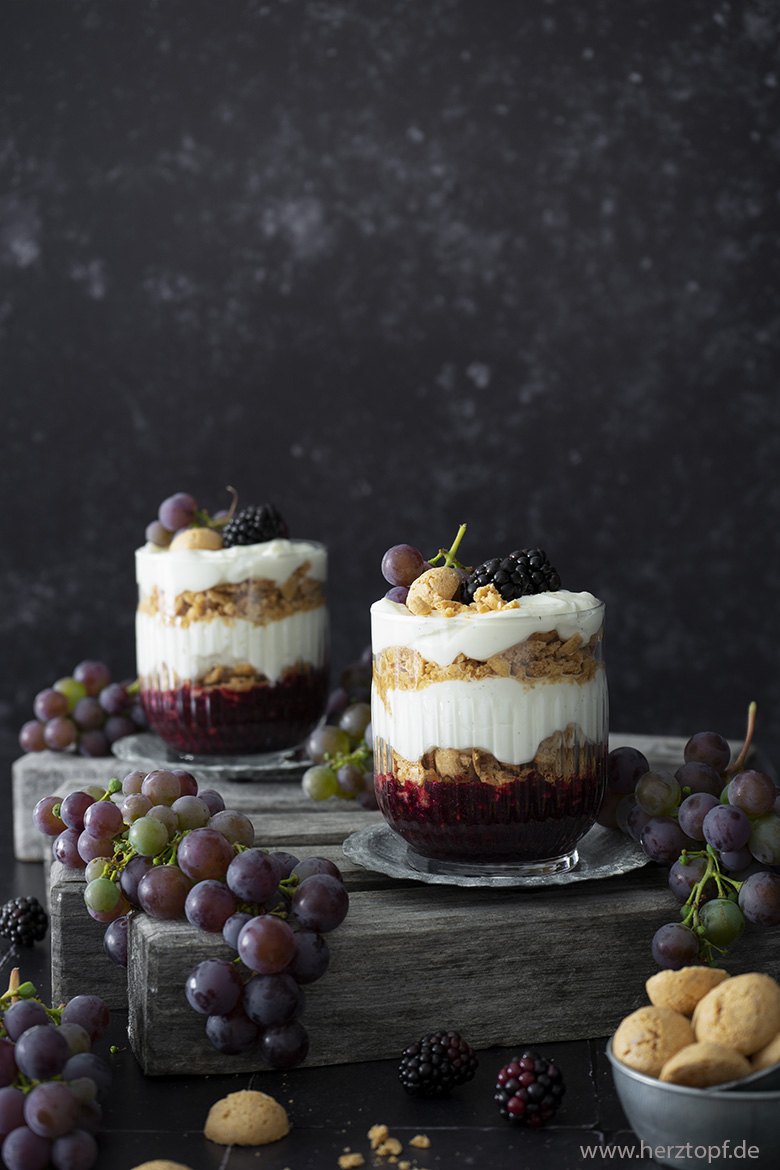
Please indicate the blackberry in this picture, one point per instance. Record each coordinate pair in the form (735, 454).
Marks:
(253, 525)
(529, 1090)
(23, 921)
(524, 571)
(436, 1064)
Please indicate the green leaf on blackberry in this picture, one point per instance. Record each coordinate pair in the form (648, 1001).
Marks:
(23, 921)
(254, 525)
(520, 574)
(436, 1064)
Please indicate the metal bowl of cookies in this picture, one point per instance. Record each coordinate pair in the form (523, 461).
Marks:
(686, 1127)
(697, 1071)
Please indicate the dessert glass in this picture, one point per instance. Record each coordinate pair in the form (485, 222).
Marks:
(232, 645)
(490, 732)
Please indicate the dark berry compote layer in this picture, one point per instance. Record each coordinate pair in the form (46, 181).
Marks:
(536, 816)
(216, 720)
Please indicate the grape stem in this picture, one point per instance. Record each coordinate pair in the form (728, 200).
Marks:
(204, 520)
(690, 910)
(450, 560)
(17, 990)
(737, 765)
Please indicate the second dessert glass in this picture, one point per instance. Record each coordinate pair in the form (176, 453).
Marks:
(491, 732)
(232, 645)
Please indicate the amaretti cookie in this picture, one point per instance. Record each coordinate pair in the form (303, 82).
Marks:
(246, 1118)
(161, 1164)
(704, 1063)
(741, 1013)
(768, 1055)
(650, 1036)
(681, 990)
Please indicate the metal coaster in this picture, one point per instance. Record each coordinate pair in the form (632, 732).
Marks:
(147, 750)
(603, 853)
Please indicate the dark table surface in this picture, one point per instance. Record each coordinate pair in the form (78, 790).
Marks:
(332, 1109)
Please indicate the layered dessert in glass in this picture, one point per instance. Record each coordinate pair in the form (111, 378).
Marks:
(490, 725)
(232, 644)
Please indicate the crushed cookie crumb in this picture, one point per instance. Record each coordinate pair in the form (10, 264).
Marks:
(377, 1134)
(420, 1141)
(390, 1145)
(257, 600)
(351, 1161)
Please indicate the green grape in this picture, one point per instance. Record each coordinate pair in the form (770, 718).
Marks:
(354, 720)
(658, 793)
(350, 780)
(71, 689)
(94, 790)
(148, 836)
(764, 840)
(320, 782)
(722, 920)
(95, 868)
(327, 741)
(101, 894)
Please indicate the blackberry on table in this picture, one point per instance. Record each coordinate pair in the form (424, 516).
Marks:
(521, 573)
(253, 525)
(436, 1064)
(529, 1090)
(23, 921)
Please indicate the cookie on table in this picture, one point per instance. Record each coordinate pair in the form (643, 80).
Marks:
(650, 1036)
(161, 1164)
(703, 1064)
(246, 1118)
(741, 1013)
(681, 990)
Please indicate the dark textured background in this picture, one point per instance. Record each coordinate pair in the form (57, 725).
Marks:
(395, 265)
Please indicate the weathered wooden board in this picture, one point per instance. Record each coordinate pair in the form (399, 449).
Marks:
(503, 967)
(79, 965)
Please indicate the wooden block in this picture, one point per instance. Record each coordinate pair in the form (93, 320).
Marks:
(79, 965)
(502, 967)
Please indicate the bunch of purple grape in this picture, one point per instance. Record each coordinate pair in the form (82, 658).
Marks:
(84, 713)
(273, 911)
(341, 748)
(716, 825)
(52, 1083)
(154, 842)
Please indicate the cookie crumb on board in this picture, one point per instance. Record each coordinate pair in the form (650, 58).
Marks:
(389, 1146)
(377, 1134)
(351, 1161)
(421, 1141)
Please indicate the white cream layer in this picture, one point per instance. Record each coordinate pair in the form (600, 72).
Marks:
(439, 638)
(191, 651)
(502, 716)
(196, 569)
